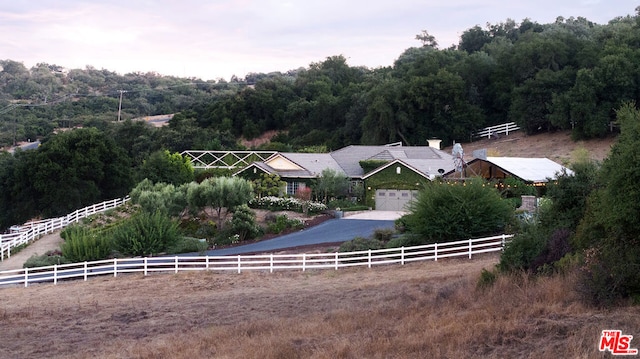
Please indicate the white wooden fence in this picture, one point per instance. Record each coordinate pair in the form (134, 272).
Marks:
(495, 131)
(240, 263)
(30, 231)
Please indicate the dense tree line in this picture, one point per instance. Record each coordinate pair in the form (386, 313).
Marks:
(570, 74)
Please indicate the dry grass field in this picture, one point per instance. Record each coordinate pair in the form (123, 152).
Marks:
(557, 146)
(420, 310)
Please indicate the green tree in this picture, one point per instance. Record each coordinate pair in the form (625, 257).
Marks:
(330, 183)
(221, 194)
(163, 166)
(268, 185)
(163, 197)
(78, 168)
(427, 40)
(610, 227)
(444, 212)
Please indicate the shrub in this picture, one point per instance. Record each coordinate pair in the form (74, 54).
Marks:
(244, 223)
(522, 249)
(81, 244)
(48, 259)
(208, 230)
(556, 247)
(188, 245)
(360, 244)
(383, 234)
(406, 240)
(285, 204)
(343, 204)
(487, 278)
(282, 222)
(146, 234)
(444, 212)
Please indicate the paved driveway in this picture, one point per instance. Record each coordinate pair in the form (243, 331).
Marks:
(332, 231)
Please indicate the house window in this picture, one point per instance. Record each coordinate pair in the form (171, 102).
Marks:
(398, 170)
(292, 187)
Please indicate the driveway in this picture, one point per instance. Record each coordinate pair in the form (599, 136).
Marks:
(361, 224)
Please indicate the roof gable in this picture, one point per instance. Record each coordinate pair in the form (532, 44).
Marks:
(280, 163)
(393, 163)
(349, 157)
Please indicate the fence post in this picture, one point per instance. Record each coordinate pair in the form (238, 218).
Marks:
(304, 261)
(504, 241)
(145, 266)
(55, 274)
(336, 260)
(26, 277)
(115, 267)
(176, 261)
(369, 259)
(435, 251)
(85, 271)
(271, 263)
(469, 248)
(207, 262)
(402, 255)
(239, 265)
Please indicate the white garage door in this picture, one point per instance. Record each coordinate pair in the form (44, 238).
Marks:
(393, 199)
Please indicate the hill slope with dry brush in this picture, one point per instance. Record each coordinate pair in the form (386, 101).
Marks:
(420, 310)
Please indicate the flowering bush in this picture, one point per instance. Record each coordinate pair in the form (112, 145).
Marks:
(285, 204)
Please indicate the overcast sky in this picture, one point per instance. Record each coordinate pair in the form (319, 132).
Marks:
(211, 39)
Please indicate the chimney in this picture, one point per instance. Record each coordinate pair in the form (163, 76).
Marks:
(435, 143)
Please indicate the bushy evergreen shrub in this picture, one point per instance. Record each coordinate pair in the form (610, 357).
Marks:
(244, 223)
(48, 259)
(523, 248)
(188, 245)
(146, 234)
(360, 244)
(81, 244)
(282, 222)
(448, 212)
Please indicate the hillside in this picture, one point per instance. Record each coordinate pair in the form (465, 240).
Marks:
(557, 146)
(419, 310)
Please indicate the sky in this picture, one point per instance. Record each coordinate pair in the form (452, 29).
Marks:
(213, 39)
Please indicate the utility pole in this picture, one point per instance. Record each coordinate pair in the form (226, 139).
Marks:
(120, 104)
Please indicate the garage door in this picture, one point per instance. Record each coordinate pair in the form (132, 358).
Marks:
(393, 199)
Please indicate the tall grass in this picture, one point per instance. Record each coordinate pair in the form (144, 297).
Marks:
(516, 317)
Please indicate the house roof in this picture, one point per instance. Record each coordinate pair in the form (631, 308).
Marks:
(349, 157)
(314, 163)
(428, 168)
(423, 159)
(528, 169)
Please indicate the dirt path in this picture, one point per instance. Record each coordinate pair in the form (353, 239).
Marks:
(41, 246)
